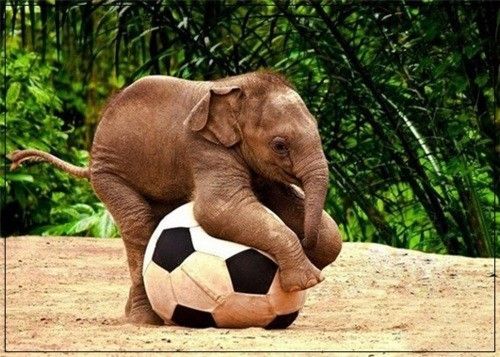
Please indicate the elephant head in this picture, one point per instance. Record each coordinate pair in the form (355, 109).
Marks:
(262, 118)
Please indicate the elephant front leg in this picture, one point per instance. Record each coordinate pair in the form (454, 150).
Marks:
(234, 214)
(288, 203)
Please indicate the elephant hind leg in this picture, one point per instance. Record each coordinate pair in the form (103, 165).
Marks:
(288, 203)
(136, 221)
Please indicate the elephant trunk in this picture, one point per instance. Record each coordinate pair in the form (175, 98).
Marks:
(314, 178)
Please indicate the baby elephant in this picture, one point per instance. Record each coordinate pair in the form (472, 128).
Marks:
(232, 146)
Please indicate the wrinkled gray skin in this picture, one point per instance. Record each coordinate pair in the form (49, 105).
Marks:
(232, 146)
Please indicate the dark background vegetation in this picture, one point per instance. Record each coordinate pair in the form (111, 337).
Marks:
(404, 94)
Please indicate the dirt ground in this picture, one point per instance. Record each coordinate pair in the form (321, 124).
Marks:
(69, 294)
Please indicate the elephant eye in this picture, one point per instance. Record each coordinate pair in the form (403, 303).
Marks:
(279, 146)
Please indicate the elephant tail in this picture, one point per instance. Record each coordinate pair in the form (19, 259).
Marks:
(19, 156)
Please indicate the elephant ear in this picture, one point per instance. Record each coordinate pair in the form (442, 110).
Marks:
(214, 116)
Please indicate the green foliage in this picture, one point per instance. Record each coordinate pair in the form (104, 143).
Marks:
(31, 105)
(404, 96)
(40, 198)
(79, 219)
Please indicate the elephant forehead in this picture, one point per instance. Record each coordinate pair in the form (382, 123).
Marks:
(287, 104)
(285, 99)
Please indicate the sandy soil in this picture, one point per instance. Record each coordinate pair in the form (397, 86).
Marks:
(69, 294)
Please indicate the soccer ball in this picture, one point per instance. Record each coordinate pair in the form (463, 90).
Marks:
(195, 280)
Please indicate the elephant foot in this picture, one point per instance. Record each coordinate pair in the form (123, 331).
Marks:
(141, 313)
(144, 317)
(301, 278)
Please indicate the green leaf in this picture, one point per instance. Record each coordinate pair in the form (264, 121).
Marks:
(16, 177)
(82, 225)
(105, 226)
(84, 209)
(13, 94)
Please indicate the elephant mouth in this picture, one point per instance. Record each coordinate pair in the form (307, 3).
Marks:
(289, 178)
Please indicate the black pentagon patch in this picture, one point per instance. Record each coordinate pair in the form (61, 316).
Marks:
(282, 321)
(185, 316)
(251, 272)
(173, 246)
